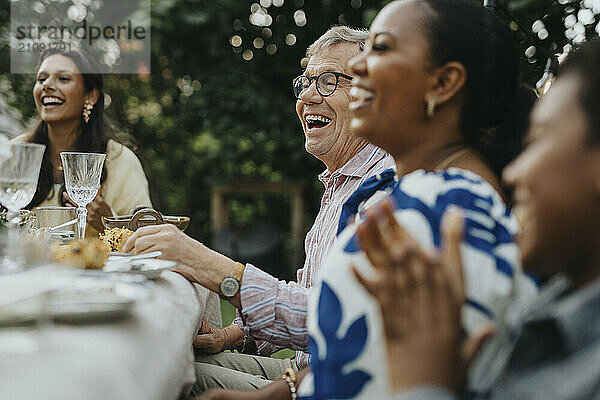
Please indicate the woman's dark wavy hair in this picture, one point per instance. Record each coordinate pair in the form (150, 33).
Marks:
(94, 134)
(584, 64)
(492, 121)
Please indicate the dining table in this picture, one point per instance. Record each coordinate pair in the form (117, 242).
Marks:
(146, 354)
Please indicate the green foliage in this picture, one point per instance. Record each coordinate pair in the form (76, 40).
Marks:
(207, 115)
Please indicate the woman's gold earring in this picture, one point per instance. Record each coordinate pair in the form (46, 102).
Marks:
(87, 110)
(430, 108)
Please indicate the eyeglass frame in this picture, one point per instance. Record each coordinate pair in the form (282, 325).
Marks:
(316, 79)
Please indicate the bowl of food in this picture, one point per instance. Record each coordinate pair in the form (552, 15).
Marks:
(144, 217)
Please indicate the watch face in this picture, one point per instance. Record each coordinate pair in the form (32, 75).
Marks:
(229, 286)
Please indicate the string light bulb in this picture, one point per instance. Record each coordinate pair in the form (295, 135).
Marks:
(545, 83)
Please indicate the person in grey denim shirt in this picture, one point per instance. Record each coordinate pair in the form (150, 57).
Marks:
(548, 349)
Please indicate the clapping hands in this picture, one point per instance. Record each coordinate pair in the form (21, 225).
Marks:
(420, 292)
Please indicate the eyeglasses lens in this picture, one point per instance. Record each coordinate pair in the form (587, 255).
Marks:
(326, 84)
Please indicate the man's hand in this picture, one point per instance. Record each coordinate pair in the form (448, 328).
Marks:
(211, 340)
(169, 240)
(420, 293)
(97, 209)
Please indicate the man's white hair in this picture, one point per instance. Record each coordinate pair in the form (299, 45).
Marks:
(336, 35)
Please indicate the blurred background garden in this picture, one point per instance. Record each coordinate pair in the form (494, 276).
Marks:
(217, 107)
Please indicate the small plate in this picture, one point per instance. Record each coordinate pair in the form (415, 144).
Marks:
(148, 267)
(92, 297)
(117, 255)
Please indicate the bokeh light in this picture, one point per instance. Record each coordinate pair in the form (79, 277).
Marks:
(290, 39)
(530, 52)
(537, 26)
(76, 12)
(570, 21)
(107, 100)
(271, 49)
(300, 18)
(235, 40)
(39, 7)
(258, 43)
(585, 16)
(247, 55)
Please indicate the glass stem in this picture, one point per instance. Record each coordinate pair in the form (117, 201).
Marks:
(81, 221)
(12, 217)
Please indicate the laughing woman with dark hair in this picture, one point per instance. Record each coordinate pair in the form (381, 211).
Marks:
(70, 102)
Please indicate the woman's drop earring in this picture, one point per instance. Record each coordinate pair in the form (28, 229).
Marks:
(87, 110)
(430, 108)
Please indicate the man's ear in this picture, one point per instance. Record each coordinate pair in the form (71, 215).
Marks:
(448, 81)
(92, 96)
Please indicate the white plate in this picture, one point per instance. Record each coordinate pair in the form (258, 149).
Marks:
(117, 255)
(148, 267)
(79, 298)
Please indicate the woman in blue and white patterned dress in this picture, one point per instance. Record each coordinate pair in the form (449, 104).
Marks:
(436, 88)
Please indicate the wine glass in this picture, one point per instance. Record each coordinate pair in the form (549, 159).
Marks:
(82, 180)
(18, 182)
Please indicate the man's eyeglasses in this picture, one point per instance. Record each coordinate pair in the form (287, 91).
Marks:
(327, 82)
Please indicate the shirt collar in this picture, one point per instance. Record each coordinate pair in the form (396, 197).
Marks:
(576, 316)
(358, 165)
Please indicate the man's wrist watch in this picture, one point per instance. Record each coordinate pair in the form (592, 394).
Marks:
(230, 285)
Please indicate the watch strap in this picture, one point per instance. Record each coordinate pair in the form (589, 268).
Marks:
(238, 271)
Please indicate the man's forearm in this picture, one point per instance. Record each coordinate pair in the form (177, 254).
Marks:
(208, 268)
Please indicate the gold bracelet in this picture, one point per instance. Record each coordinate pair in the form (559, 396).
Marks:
(289, 376)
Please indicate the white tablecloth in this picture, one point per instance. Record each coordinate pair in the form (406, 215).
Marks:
(147, 356)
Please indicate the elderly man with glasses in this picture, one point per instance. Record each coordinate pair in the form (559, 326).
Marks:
(271, 311)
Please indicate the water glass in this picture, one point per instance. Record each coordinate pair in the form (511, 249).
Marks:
(18, 182)
(19, 177)
(82, 180)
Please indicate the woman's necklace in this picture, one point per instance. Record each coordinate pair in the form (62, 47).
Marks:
(455, 156)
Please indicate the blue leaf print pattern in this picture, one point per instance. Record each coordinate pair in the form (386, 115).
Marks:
(330, 382)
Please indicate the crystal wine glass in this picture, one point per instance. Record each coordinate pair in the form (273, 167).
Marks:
(18, 182)
(82, 180)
